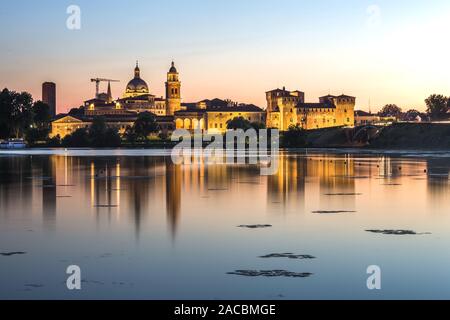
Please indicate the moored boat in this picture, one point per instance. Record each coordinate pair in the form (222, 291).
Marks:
(13, 144)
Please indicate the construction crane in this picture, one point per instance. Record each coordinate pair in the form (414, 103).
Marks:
(97, 84)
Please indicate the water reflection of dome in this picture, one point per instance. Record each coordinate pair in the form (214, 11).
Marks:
(136, 86)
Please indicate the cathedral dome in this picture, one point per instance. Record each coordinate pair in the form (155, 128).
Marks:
(136, 86)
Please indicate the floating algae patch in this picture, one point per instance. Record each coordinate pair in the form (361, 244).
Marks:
(288, 255)
(333, 211)
(106, 206)
(33, 285)
(352, 177)
(343, 194)
(45, 186)
(270, 273)
(9, 254)
(255, 226)
(397, 232)
(249, 182)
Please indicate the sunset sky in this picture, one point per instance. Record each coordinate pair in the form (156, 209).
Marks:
(382, 51)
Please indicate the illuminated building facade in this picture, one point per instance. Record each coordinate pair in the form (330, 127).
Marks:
(213, 115)
(288, 108)
(137, 98)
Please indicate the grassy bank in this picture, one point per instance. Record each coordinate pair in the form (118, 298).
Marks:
(397, 136)
(413, 136)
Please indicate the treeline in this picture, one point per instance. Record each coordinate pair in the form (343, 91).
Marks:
(438, 108)
(21, 117)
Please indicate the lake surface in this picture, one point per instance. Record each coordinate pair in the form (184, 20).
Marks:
(141, 227)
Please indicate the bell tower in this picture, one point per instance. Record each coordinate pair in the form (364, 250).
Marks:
(173, 94)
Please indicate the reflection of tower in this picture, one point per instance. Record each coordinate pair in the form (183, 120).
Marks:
(49, 191)
(173, 194)
(173, 91)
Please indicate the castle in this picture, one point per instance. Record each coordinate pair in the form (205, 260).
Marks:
(284, 109)
(288, 108)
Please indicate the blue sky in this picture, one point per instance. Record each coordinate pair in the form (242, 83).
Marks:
(232, 49)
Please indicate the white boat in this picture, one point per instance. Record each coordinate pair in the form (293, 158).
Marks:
(13, 144)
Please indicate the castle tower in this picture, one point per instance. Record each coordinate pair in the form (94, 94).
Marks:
(173, 91)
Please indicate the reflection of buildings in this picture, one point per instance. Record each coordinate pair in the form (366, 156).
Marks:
(15, 185)
(287, 186)
(173, 194)
(49, 190)
(438, 183)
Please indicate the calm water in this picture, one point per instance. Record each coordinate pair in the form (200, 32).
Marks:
(140, 227)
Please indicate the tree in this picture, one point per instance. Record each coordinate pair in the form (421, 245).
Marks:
(390, 110)
(295, 137)
(130, 135)
(40, 127)
(411, 115)
(437, 106)
(144, 125)
(5, 113)
(41, 113)
(15, 113)
(101, 136)
(258, 125)
(113, 139)
(78, 139)
(54, 141)
(239, 123)
(77, 111)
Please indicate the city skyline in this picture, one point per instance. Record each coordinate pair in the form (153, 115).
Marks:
(373, 50)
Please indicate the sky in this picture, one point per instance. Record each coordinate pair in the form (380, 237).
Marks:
(379, 51)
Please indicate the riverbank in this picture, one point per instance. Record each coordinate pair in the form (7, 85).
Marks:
(400, 136)
(413, 136)
(404, 136)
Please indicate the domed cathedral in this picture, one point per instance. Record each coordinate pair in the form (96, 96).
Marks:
(136, 87)
(123, 112)
(137, 97)
(173, 91)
